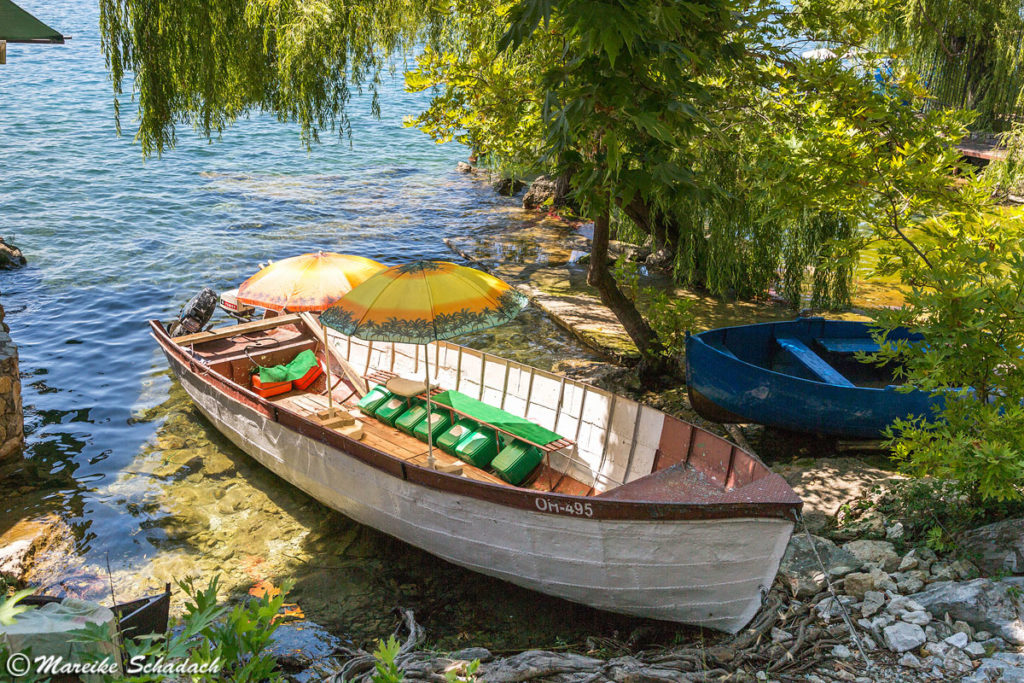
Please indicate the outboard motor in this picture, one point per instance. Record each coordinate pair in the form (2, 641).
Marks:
(195, 314)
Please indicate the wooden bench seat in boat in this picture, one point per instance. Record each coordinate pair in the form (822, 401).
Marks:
(834, 345)
(811, 361)
(385, 438)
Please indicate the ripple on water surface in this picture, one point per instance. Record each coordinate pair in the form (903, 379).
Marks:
(115, 449)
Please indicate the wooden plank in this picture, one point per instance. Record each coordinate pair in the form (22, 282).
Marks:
(848, 345)
(233, 330)
(813, 362)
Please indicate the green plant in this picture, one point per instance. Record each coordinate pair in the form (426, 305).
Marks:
(386, 670)
(468, 674)
(217, 644)
(9, 607)
(966, 271)
(668, 315)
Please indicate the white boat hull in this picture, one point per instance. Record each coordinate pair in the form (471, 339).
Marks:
(706, 572)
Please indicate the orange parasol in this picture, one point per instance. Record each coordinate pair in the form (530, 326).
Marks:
(310, 282)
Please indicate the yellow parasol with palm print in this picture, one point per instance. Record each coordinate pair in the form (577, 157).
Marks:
(310, 282)
(422, 302)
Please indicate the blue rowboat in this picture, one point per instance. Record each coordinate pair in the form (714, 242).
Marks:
(799, 375)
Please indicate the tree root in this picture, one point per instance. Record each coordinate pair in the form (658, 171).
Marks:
(732, 659)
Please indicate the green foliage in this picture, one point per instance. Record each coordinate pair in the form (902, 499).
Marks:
(969, 50)
(206, 63)
(670, 316)
(210, 633)
(386, 670)
(9, 607)
(966, 270)
(1006, 175)
(469, 674)
(935, 512)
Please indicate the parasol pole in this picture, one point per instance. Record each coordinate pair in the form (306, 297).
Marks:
(430, 431)
(327, 362)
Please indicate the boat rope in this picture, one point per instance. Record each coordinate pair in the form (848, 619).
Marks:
(835, 597)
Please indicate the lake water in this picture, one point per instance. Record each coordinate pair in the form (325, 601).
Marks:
(115, 451)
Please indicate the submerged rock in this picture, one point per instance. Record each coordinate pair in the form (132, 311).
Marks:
(301, 644)
(10, 256)
(507, 187)
(542, 190)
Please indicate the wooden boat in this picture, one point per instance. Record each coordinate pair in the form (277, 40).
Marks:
(136, 618)
(800, 375)
(633, 511)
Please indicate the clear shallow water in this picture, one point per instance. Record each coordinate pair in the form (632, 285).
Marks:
(115, 450)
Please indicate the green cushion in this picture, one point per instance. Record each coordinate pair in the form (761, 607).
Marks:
(478, 448)
(410, 418)
(374, 398)
(440, 419)
(299, 366)
(390, 410)
(454, 434)
(516, 461)
(483, 412)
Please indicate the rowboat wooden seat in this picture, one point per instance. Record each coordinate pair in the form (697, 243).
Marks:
(852, 345)
(812, 362)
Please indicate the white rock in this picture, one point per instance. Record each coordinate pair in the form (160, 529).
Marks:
(761, 676)
(828, 608)
(840, 570)
(909, 585)
(864, 624)
(975, 650)
(936, 649)
(982, 635)
(873, 601)
(921, 618)
(958, 640)
(841, 652)
(909, 660)
(902, 636)
(963, 627)
(1004, 667)
(931, 634)
(957, 662)
(881, 621)
(881, 554)
(941, 571)
(909, 561)
(895, 532)
(996, 643)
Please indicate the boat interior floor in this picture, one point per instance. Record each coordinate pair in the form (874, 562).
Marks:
(400, 445)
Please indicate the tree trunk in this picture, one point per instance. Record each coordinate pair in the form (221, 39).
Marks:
(655, 224)
(653, 363)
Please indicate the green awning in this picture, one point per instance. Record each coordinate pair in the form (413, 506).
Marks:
(18, 26)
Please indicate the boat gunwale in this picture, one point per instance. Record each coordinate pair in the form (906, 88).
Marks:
(544, 502)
